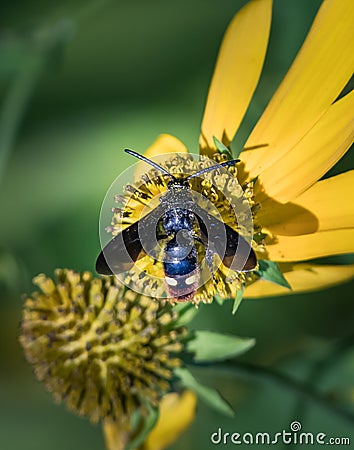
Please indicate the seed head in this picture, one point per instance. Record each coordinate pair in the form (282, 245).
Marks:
(99, 347)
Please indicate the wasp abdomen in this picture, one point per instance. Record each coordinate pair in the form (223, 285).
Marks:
(181, 270)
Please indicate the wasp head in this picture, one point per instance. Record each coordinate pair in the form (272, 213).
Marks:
(178, 184)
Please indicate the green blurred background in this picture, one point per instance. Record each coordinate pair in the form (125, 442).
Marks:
(79, 82)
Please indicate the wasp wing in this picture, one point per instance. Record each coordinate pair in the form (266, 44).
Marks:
(133, 243)
(234, 251)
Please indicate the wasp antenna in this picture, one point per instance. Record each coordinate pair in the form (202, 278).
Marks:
(152, 163)
(216, 166)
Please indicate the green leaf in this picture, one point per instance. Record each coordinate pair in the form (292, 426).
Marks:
(148, 424)
(238, 299)
(186, 312)
(211, 346)
(221, 148)
(207, 394)
(269, 270)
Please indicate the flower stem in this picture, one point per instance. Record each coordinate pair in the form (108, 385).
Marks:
(14, 106)
(42, 47)
(301, 389)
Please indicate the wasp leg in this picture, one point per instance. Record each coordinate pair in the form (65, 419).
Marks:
(197, 238)
(208, 254)
(209, 259)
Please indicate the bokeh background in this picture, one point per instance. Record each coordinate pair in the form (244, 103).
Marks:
(79, 82)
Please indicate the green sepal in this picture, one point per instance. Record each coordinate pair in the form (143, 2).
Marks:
(219, 300)
(148, 423)
(221, 148)
(258, 237)
(186, 313)
(269, 270)
(237, 300)
(209, 346)
(208, 395)
(135, 420)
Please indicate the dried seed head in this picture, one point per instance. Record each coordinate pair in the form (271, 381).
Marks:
(100, 348)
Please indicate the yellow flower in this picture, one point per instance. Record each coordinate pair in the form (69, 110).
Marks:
(306, 128)
(176, 413)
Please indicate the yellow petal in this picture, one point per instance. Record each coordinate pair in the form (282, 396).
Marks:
(313, 156)
(310, 246)
(324, 206)
(320, 71)
(164, 144)
(303, 278)
(176, 414)
(236, 74)
(116, 434)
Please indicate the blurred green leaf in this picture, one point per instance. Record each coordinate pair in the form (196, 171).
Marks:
(211, 346)
(208, 395)
(269, 270)
(14, 105)
(14, 54)
(27, 62)
(186, 313)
